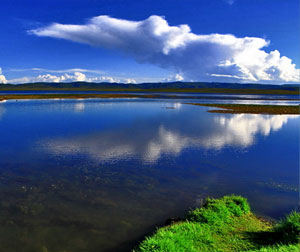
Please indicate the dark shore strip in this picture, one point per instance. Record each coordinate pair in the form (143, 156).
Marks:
(163, 90)
(252, 109)
(129, 95)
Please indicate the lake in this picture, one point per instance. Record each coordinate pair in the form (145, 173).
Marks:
(99, 174)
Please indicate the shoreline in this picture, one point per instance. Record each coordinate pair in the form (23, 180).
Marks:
(130, 95)
(245, 91)
(224, 108)
(225, 224)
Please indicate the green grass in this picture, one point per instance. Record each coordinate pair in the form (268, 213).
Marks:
(278, 248)
(225, 224)
(289, 228)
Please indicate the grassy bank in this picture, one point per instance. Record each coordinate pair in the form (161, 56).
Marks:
(225, 224)
(166, 90)
(251, 108)
(178, 87)
(122, 95)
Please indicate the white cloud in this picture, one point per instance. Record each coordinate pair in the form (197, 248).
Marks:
(111, 80)
(198, 57)
(130, 81)
(20, 80)
(2, 77)
(70, 70)
(76, 76)
(176, 77)
(104, 79)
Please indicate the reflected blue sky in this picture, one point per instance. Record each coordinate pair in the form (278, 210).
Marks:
(96, 168)
(149, 140)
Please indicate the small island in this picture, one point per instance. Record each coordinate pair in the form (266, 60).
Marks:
(251, 108)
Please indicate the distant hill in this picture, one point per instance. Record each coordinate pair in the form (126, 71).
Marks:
(169, 86)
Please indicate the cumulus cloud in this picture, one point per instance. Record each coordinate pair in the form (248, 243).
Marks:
(130, 81)
(112, 79)
(2, 77)
(176, 77)
(76, 76)
(194, 56)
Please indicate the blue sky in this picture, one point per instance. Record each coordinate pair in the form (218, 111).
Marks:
(263, 45)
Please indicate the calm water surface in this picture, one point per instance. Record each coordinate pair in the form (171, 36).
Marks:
(97, 175)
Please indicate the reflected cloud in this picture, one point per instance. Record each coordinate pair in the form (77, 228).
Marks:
(177, 105)
(2, 110)
(79, 107)
(150, 143)
(241, 129)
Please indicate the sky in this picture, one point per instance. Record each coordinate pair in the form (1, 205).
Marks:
(134, 41)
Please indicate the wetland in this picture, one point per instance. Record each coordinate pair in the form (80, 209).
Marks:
(100, 174)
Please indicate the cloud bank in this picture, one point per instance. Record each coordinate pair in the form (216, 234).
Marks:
(2, 77)
(193, 56)
(76, 76)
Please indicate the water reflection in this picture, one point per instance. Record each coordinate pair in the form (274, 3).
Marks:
(2, 110)
(149, 144)
(119, 168)
(241, 129)
(79, 107)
